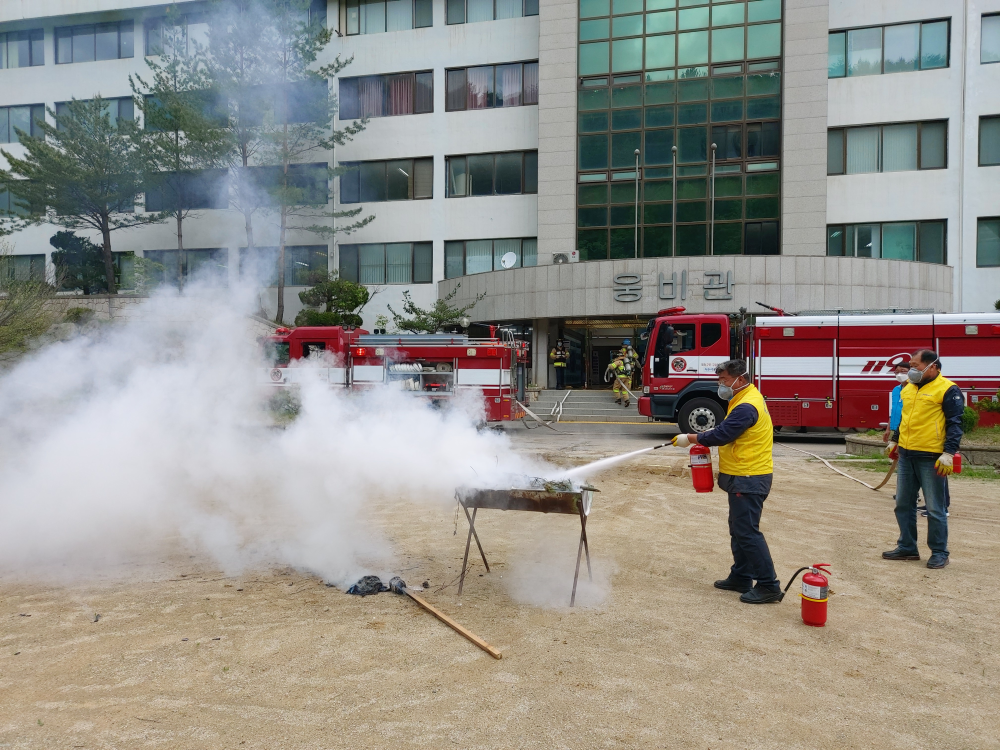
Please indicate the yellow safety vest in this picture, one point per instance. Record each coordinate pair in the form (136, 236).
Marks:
(750, 454)
(922, 428)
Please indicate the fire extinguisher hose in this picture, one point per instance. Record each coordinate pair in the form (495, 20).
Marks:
(882, 484)
(792, 580)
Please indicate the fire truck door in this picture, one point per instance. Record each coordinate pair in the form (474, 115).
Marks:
(684, 359)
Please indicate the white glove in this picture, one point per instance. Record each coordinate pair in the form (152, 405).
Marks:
(945, 464)
(890, 449)
(680, 441)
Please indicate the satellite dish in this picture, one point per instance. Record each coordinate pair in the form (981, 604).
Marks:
(509, 260)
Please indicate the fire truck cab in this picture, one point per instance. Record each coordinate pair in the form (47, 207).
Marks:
(832, 371)
(327, 346)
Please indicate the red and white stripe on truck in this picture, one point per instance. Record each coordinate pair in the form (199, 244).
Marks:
(823, 371)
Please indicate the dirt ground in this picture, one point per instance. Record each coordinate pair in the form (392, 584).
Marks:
(654, 657)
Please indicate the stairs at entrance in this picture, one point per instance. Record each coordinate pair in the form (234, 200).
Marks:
(586, 406)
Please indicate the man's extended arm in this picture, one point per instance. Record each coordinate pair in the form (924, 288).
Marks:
(740, 419)
(953, 404)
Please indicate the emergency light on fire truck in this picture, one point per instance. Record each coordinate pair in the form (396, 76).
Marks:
(832, 371)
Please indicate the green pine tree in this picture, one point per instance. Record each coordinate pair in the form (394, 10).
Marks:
(87, 173)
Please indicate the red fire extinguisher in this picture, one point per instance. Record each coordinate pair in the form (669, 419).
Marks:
(701, 468)
(815, 593)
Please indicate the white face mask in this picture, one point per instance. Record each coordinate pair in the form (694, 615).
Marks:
(901, 377)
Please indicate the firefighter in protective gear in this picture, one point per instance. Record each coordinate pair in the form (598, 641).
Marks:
(928, 438)
(628, 355)
(617, 370)
(559, 357)
(745, 440)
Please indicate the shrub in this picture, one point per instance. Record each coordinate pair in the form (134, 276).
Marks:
(970, 418)
(988, 405)
(79, 315)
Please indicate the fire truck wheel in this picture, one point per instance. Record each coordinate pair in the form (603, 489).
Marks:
(700, 414)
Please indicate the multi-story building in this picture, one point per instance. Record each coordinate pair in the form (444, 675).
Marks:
(580, 164)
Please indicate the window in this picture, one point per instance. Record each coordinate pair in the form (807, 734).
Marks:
(390, 263)
(486, 86)
(102, 41)
(511, 173)
(22, 268)
(22, 49)
(463, 258)
(989, 51)
(923, 241)
(209, 265)
(889, 49)
(710, 333)
(386, 95)
(117, 109)
(308, 184)
(761, 238)
(24, 118)
(205, 189)
(471, 11)
(303, 264)
(898, 147)
(377, 16)
(188, 36)
(396, 180)
(989, 140)
(988, 243)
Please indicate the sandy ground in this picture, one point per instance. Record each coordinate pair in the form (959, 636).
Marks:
(655, 657)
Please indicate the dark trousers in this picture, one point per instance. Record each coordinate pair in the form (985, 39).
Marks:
(560, 378)
(751, 557)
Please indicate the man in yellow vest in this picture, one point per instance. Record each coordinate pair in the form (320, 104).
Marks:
(745, 439)
(927, 440)
(559, 357)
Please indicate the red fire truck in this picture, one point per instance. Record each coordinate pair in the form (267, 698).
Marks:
(815, 371)
(437, 367)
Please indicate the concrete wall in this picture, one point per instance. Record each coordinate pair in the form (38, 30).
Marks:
(792, 283)
(557, 42)
(803, 164)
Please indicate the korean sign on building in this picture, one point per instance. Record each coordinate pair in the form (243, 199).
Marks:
(715, 285)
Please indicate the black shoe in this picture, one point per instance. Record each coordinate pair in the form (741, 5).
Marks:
(900, 554)
(758, 595)
(727, 584)
(937, 561)
(627, 404)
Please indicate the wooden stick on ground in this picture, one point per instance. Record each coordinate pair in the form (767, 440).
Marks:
(399, 587)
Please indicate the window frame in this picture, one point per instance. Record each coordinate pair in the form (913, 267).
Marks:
(33, 37)
(347, 250)
(979, 154)
(33, 112)
(465, 74)
(881, 126)
(525, 5)
(356, 166)
(920, 46)
(882, 224)
(57, 37)
(979, 221)
(348, 5)
(493, 241)
(525, 156)
(352, 80)
(981, 46)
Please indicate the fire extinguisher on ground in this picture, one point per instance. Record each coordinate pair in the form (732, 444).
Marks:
(815, 593)
(701, 468)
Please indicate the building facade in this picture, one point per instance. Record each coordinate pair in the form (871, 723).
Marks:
(577, 165)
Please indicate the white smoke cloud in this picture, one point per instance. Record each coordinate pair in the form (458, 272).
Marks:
(117, 447)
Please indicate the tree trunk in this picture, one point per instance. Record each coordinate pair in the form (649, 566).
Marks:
(180, 251)
(109, 262)
(281, 268)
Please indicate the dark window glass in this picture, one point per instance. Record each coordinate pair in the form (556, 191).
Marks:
(594, 151)
(931, 243)
(988, 243)
(373, 183)
(106, 38)
(423, 13)
(83, 43)
(761, 238)
(659, 117)
(763, 140)
(729, 139)
(481, 174)
(593, 245)
(692, 239)
(64, 45)
(36, 38)
(658, 147)
(456, 90)
(454, 259)
(349, 262)
(399, 176)
(710, 333)
(623, 148)
(424, 93)
(350, 184)
(835, 241)
(692, 145)
(989, 141)
(456, 11)
(350, 108)
(594, 122)
(531, 172)
(835, 152)
(531, 7)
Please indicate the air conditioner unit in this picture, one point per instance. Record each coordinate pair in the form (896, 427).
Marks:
(571, 257)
